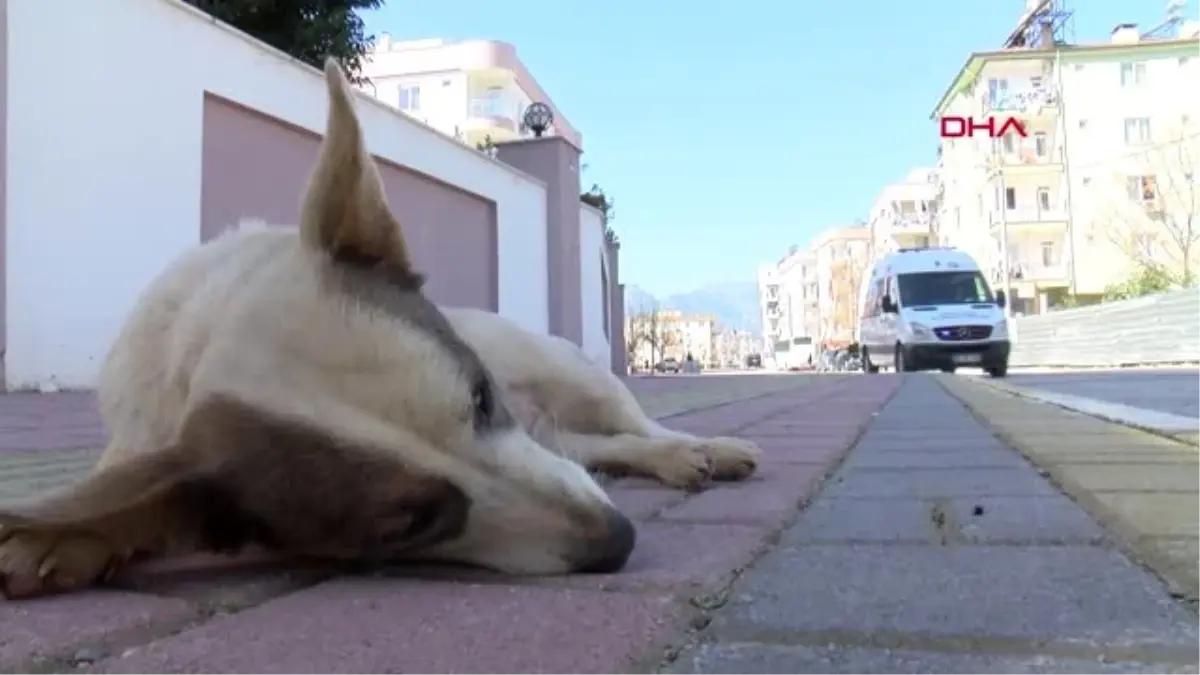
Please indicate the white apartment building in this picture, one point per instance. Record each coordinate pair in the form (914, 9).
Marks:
(809, 297)
(788, 300)
(1105, 173)
(471, 90)
(902, 215)
(770, 305)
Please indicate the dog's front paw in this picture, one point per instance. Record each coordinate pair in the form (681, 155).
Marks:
(732, 458)
(40, 560)
(682, 466)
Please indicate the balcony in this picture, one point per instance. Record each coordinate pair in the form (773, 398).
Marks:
(1031, 218)
(1022, 96)
(1034, 154)
(493, 113)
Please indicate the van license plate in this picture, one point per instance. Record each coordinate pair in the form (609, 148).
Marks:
(967, 358)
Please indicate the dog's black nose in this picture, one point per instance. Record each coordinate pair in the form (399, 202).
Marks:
(609, 553)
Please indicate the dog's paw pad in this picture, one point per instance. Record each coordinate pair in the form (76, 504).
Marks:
(35, 562)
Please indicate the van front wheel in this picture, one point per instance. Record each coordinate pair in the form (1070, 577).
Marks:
(902, 365)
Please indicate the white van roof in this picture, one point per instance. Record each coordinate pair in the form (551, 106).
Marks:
(930, 259)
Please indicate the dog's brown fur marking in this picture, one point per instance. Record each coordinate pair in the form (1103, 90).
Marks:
(286, 487)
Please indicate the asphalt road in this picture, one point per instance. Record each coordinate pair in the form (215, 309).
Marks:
(1174, 391)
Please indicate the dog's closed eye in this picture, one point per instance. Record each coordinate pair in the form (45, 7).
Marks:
(481, 402)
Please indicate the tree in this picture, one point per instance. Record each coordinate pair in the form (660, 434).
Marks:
(1149, 212)
(309, 30)
(1146, 281)
(645, 329)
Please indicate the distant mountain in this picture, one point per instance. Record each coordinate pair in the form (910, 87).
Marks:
(735, 304)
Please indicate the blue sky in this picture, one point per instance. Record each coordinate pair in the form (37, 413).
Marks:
(725, 134)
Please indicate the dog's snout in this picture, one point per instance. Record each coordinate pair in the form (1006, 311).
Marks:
(610, 551)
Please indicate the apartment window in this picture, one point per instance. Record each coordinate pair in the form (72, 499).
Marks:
(1142, 188)
(1010, 198)
(1133, 73)
(1082, 124)
(1040, 144)
(409, 97)
(997, 90)
(1007, 142)
(1043, 197)
(1048, 257)
(1137, 130)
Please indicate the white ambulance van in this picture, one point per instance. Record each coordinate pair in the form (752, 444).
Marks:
(931, 308)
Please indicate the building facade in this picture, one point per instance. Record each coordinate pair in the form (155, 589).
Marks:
(902, 215)
(475, 90)
(842, 255)
(671, 334)
(809, 298)
(1097, 183)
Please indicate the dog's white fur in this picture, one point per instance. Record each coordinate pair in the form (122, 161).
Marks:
(251, 317)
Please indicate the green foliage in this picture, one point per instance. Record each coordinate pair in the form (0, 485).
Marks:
(596, 198)
(1149, 279)
(309, 30)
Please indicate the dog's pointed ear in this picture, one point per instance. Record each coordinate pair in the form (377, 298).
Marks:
(345, 212)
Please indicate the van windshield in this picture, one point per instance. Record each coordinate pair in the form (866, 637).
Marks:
(966, 287)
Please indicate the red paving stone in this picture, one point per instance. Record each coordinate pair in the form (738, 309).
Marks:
(688, 545)
(401, 626)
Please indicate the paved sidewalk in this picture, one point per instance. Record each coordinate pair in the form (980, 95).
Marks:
(936, 548)
(300, 620)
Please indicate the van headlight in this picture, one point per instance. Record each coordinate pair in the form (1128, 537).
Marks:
(1000, 330)
(921, 331)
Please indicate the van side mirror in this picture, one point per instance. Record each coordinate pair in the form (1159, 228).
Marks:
(887, 305)
(1001, 299)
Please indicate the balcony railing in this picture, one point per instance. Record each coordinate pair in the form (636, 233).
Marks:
(495, 106)
(908, 222)
(1035, 214)
(1026, 96)
(1029, 152)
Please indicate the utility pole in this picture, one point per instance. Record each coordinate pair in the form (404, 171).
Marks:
(1066, 162)
(1005, 270)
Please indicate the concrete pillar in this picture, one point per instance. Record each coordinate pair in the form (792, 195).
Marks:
(554, 161)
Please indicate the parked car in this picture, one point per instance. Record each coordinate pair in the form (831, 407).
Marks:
(669, 365)
(754, 361)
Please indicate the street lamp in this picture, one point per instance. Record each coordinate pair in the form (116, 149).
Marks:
(537, 118)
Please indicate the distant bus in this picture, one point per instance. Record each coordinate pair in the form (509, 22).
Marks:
(794, 354)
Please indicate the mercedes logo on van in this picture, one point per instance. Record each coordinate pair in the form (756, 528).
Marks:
(962, 332)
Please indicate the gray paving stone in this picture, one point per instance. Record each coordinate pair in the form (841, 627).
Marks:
(1042, 520)
(875, 441)
(1085, 595)
(935, 459)
(930, 483)
(757, 658)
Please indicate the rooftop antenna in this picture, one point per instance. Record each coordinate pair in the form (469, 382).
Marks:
(1045, 24)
